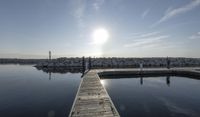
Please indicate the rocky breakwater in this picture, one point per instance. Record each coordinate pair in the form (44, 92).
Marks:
(114, 62)
(61, 62)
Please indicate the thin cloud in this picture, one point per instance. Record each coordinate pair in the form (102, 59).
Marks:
(145, 13)
(177, 11)
(149, 34)
(195, 36)
(146, 41)
(169, 9)
(97, 4)
(144, 35)
(134, 34)
(79, 11)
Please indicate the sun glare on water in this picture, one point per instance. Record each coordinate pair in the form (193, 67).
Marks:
(103, 82)
(100, 36)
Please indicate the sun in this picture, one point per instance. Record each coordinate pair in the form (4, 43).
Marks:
(100, 36)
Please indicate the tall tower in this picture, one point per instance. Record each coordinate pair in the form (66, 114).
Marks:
(49, 55)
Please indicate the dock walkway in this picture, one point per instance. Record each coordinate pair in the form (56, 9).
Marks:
(92, 99)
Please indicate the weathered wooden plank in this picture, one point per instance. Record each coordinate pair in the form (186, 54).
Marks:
(92, 99)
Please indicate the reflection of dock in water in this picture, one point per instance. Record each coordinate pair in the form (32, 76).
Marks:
(141, 80)
(168, 80)
(49, 75)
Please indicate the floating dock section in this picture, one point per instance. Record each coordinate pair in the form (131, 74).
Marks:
(92, 99)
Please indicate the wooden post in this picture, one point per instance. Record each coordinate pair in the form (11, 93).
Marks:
(141, 67)
(168, 63)
(83, 64)
(90, 64)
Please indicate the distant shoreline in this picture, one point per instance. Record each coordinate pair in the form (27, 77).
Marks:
(20, 61)
(106, 62)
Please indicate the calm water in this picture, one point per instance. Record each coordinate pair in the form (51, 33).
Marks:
(27, 92)
(155, 96)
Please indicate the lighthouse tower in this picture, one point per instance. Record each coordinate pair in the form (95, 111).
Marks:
(49, 55)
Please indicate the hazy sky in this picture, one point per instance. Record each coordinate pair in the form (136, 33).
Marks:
(136, 28)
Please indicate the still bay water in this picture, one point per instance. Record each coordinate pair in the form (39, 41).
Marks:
(28, 92)
(155, 96)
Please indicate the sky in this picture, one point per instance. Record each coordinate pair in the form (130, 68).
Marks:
(135, 28)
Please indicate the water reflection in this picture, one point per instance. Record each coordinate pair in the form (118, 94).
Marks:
(141, 80)
(49, 75)
(155, 96)
(26, 92)
(103, 82)
(61, 70)
(51, 113)
(168, 80)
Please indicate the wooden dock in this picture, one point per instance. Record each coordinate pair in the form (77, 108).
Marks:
(92, 99)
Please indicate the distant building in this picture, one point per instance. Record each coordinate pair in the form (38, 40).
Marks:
(49, 55)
